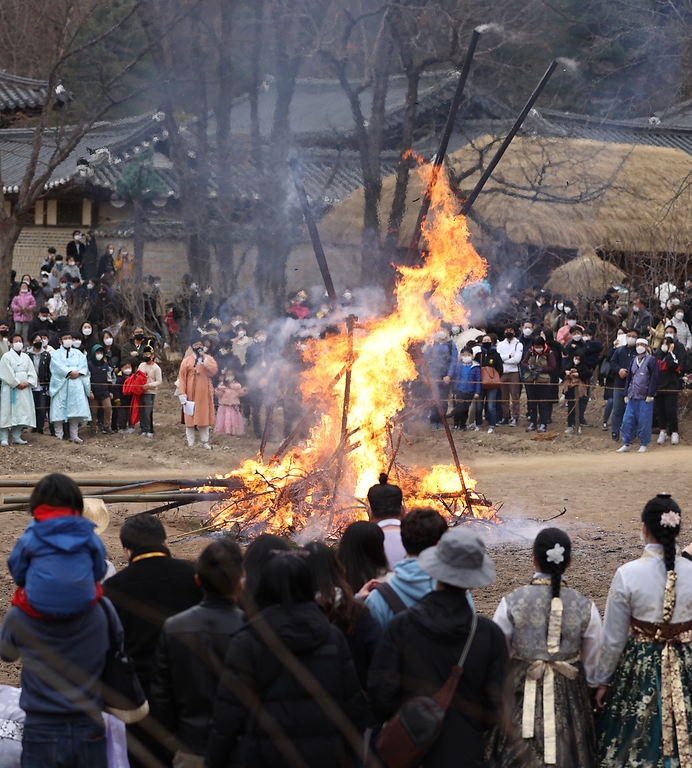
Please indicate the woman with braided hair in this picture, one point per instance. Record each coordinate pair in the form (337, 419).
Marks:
(645, 670)
(554, 636)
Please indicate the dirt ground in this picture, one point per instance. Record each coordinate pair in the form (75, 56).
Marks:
(602, 491)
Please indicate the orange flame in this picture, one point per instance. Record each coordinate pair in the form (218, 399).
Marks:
(381, 367)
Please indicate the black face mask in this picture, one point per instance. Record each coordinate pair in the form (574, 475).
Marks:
(37, 345)
(139, 336)
(4, 334)
(509, 336)
(486, 345)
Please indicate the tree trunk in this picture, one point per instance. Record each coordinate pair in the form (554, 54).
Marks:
(139, 240)
(10, 230)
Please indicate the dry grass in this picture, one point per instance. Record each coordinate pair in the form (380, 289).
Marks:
(561, 193)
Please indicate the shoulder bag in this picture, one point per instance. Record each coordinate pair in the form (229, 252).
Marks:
(407, 737)
(490, 378)
(122, 693)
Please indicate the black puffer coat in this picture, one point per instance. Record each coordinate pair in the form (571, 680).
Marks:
(417, 651)
(188, 666)
(238, 738)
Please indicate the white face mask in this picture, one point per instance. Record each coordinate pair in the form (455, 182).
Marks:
(664, 347)
(127, 371)
(621, 339)
(560, 306)
(571, 323)
(77, 237)
(586, 338)
(679, 315)
(18, 346)
(43, 318)
(260, 339)
(466, 359)
(641, 350)
(110, 251)
(675, 302)
(44, 342)
(108, 342)
(67, 343)
(241, 334)
(576, 337)
(44, 280)
(630, 341)
(576, 360)
(76, 343)
(86, 331)
(156, 285)
(455, 330)
(527, 332)
(99, 357)
(635, 310)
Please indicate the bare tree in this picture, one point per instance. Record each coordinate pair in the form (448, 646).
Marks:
(66, 30)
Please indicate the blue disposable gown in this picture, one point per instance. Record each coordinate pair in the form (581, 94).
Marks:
(17, 405)
(69, 398)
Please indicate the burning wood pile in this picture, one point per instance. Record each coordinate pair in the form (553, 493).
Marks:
(354, 391)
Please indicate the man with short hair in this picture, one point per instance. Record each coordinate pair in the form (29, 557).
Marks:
(641, 318)
(70, 384)
(420, 646)
(385, 500)
(620, 364)
(511, 350)
(191, 651)
(420, 529)
(641, 385)
(153, 587)
(42, 322)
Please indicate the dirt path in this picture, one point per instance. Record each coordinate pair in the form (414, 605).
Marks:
(533, 480)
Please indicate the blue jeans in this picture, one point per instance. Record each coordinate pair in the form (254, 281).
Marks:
(637, 421)
(489, 400)
(618, 410)
(64, 745)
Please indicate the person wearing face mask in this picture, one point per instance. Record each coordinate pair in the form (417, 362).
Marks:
(607, 374)
(58, 267)
(42, 322)
(18, 376)
(74, 250)
(641, 385)
(575, 344)
(72, 270)
(23, 308)
(684, 336)
(100, 395)
(150, 368)
(89, 339)
(40, 358)
(577, 377)
(229, 420)
(438, 356)
(464, 375)
(641, 318)
(227, 360)
(4, 338)
(671, 359)
(58, 309)
(69, 389)
(620, 363)
(511, 352)
(488, 357)
(241, 343)
(135, 347)
(111, 349)
(538, 364)
(196, 392)
(564, 334)
(45, 288)
(106, 265)
(122, 402)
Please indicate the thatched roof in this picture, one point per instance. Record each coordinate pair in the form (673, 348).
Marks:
(561, 193)
(587, 275)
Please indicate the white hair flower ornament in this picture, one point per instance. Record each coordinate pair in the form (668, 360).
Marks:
(556, 554)
(670, 519)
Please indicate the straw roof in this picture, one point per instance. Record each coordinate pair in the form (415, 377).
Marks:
(587, 275)
(560, 193)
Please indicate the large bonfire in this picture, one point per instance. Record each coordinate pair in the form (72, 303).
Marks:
(322, 484)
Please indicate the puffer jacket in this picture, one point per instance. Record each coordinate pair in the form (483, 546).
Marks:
(101, 374)
(23, 307)
(251, 666)
(188, 666)
(417, 651)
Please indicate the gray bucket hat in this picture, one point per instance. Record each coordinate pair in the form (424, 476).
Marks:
(459, 559)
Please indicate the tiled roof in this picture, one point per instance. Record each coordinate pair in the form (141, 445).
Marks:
(21, 94)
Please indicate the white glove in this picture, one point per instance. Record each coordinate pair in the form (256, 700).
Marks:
(649, 399)
(627, 400)
(183, 399)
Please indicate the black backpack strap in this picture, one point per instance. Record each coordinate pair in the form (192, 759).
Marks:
(391, 598)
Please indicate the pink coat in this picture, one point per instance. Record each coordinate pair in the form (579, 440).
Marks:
(24, 306)
(230, 394)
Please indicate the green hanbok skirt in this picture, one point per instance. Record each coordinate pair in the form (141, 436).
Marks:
(630, 728)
